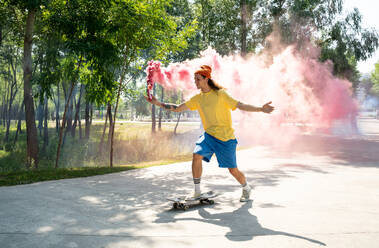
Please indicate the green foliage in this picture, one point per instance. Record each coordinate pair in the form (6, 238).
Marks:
(52, 67)
(102, 39)
(346, 39)
(184, 13)
(219, 24)
(83, 30)
(139, 103)
(375, 79)
(343, 41)
(142, 25)
(27, 4)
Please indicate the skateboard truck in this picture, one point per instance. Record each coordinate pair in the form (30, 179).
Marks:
(184, 204)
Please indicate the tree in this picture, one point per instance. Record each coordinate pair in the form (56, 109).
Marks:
(32, 8)
(153, 115)
(160, 110)
(346, 43)
(31, 130)
(299, 22)
(375, 79)
(140, 26)
(244, 25)
(11, 55)
(220, 24)
(184, 14)
(90, 52)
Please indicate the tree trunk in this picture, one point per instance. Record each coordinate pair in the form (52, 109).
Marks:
(20, 114)
(102, 136)
(91, 114)
(12, 96)
(5, 105)
(45, 126)
(160, 111)
(80, 129)
(177, 123)
(70, 110)
(64, 119)
(2, 110)
(40, 117)
(77, 108)
(63, 125)
(115, 110)
(6, 138)
(87, 120)
(69, 125)
(57, 108)
(243, 9)
(31, 130)
(110, 117)
(153, 121)
(64, 138)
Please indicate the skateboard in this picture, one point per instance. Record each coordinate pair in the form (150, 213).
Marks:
(183, 203)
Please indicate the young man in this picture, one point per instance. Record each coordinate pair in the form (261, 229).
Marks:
(214, 105)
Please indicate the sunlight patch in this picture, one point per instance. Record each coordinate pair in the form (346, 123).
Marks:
(45, 229)
(118, 217)
(91, 199)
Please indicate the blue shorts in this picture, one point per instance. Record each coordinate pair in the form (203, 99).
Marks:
(225, 150)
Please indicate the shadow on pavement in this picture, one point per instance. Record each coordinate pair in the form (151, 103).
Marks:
(242, 224)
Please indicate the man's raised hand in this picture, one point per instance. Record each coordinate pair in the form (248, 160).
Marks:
(267, 108)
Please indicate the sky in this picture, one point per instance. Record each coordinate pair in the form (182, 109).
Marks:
(369, 12)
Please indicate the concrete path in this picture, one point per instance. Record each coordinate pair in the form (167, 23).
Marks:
(323, 191)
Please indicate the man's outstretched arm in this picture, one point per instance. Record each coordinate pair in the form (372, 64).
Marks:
(173, 107)
(267, 108)
(168, 106)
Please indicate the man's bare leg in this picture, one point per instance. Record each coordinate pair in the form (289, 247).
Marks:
(197, 170)
(237, 174)
(197, 165)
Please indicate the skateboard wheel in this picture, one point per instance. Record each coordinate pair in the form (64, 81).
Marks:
(175, 205)
(185, 207)
(211, 202)
(181, 205)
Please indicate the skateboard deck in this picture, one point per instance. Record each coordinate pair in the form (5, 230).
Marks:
(184, 203)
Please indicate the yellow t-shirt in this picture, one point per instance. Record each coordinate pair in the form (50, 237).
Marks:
(214, 109)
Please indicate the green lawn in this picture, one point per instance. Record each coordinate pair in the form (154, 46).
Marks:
(38, 175)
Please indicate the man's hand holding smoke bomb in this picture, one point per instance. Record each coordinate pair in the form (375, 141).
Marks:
(153, 100)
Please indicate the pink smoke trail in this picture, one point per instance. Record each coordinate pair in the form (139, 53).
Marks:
(303, 90)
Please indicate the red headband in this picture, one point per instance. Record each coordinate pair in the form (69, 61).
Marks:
(204, 71)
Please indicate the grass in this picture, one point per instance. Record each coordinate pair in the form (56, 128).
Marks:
(135, 146)
(39, 175)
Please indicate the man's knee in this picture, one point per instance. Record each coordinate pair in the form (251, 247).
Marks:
(197, 157)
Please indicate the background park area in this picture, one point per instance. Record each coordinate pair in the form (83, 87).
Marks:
(72, 84)
(73, 71)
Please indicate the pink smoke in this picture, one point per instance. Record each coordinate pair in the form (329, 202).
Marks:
(303, 90)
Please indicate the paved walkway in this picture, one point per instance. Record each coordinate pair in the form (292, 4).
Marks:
(323, 191)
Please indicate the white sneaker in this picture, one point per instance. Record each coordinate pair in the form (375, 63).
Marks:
(193, 195)
(245, 195)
